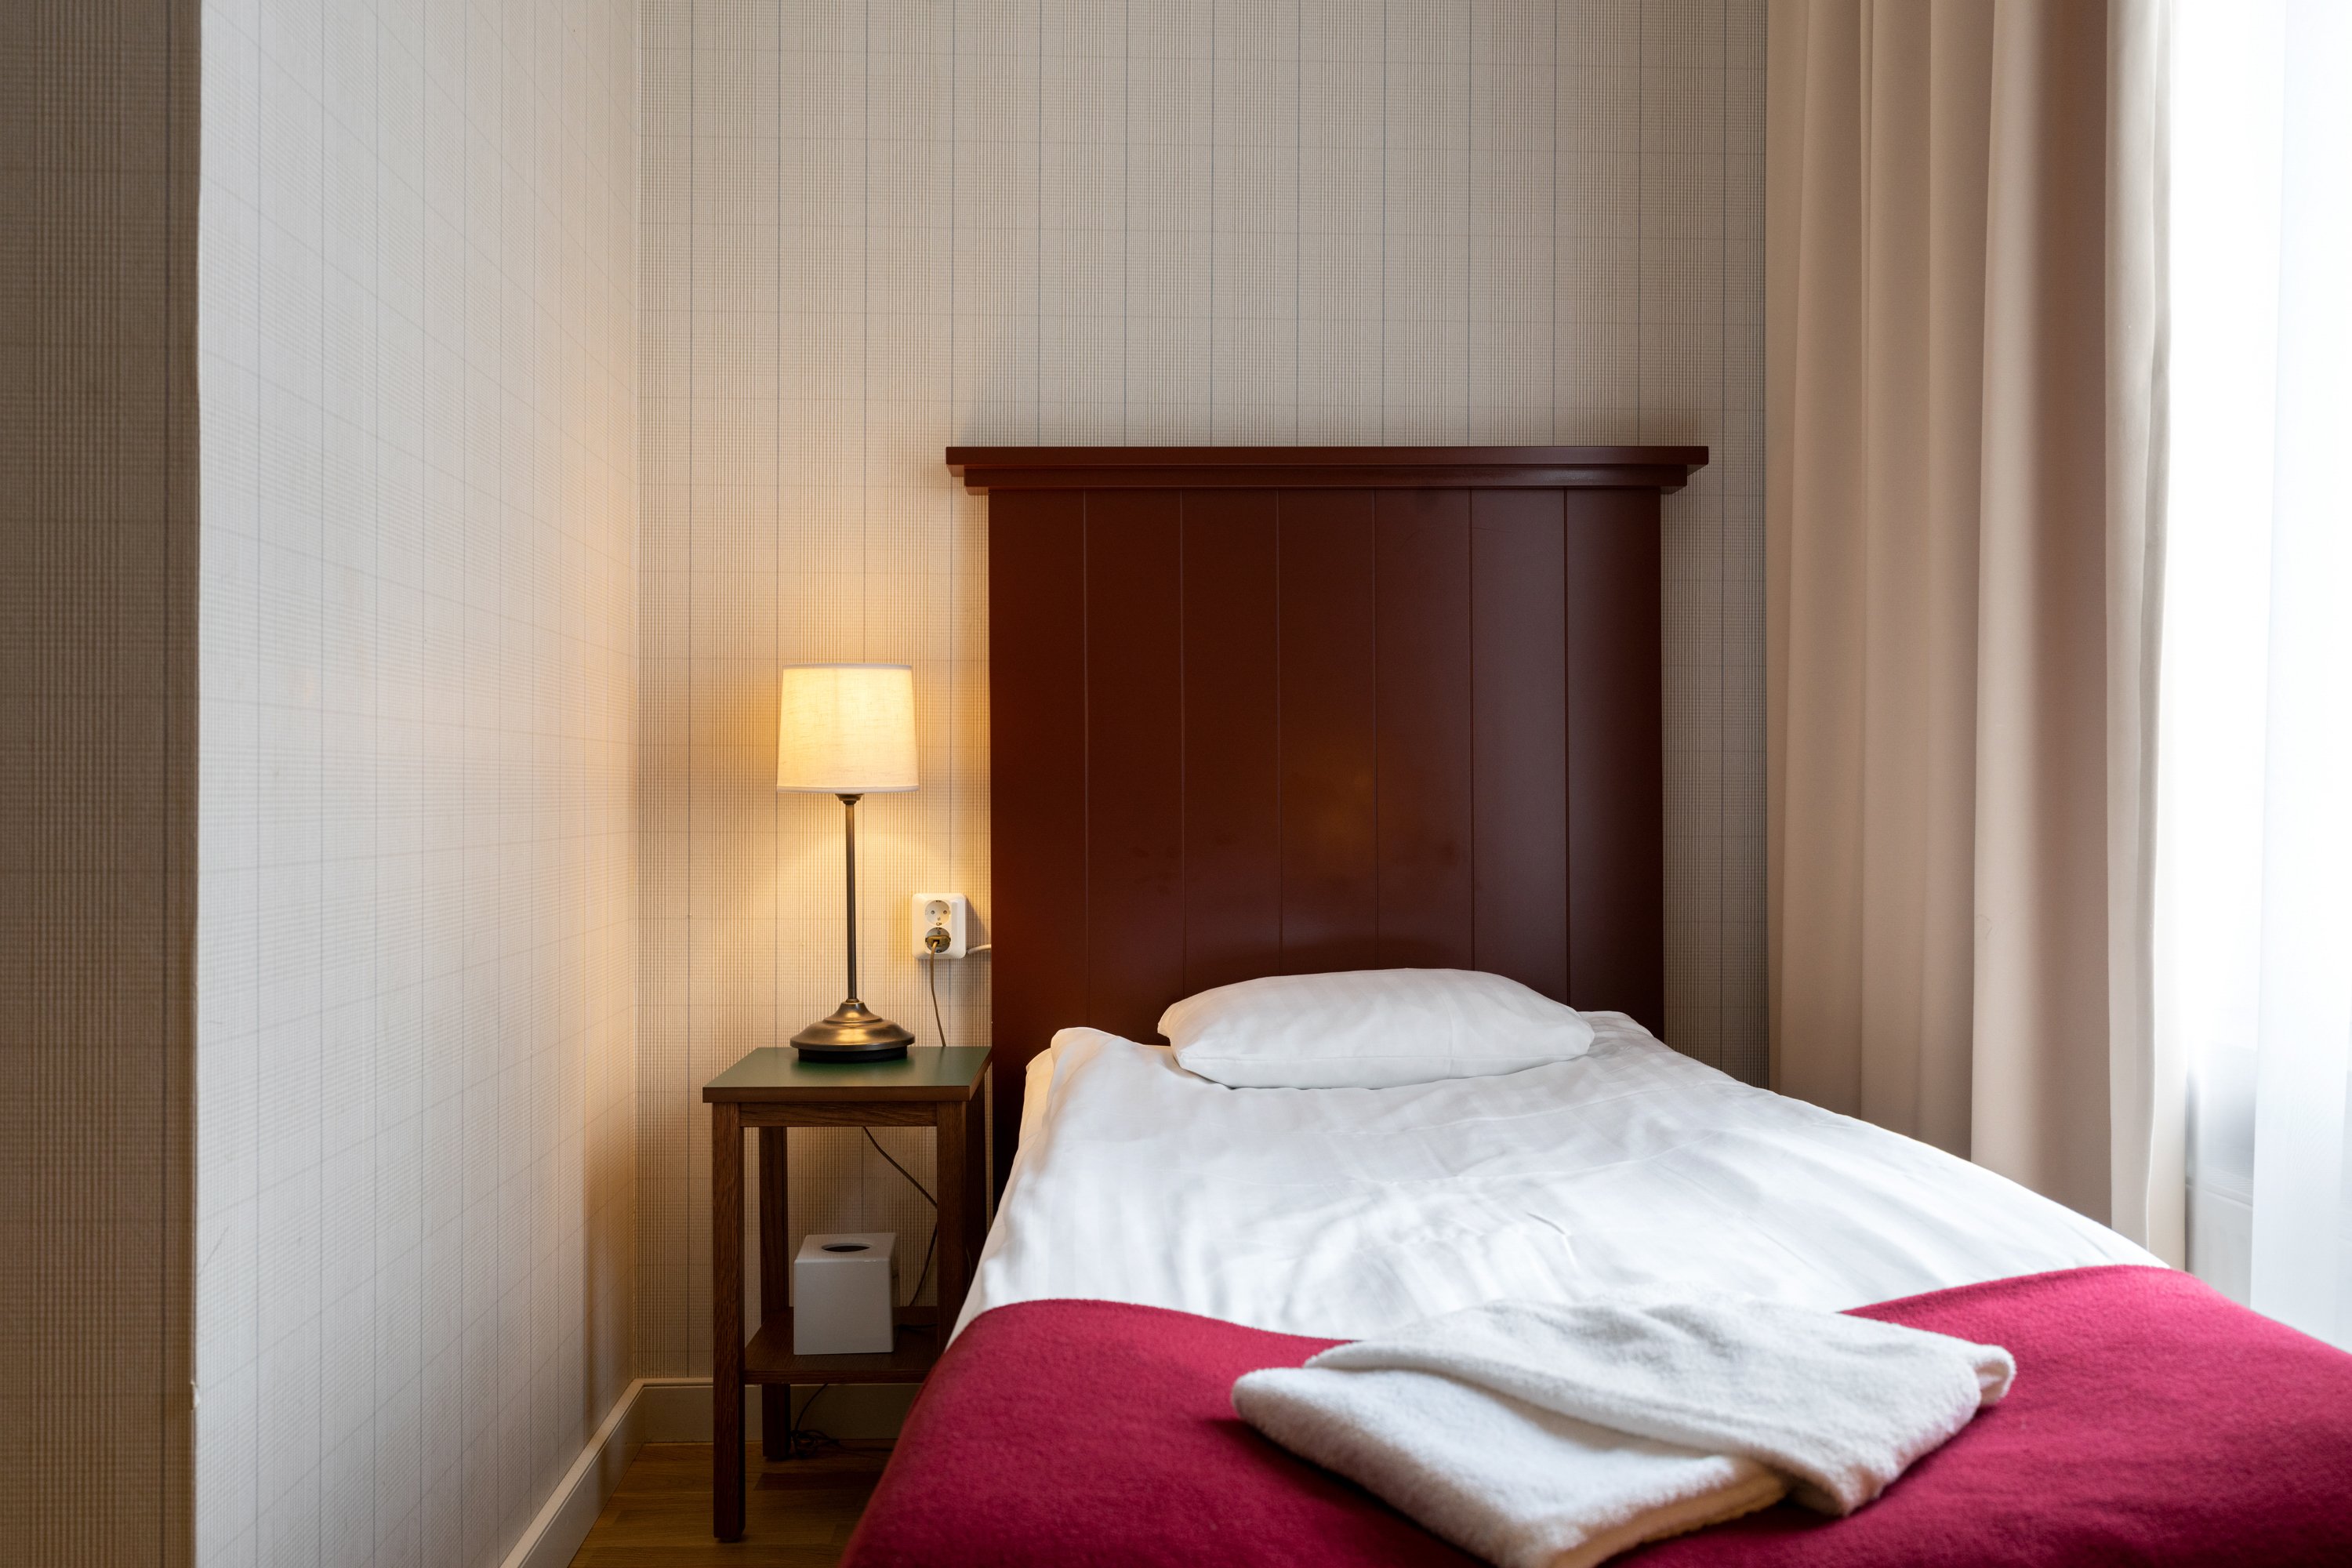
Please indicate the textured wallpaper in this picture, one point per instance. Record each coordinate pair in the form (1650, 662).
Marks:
(97, 593)
(416, 967)
(874, 229)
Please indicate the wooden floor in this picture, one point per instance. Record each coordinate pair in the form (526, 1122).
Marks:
(796, 1515)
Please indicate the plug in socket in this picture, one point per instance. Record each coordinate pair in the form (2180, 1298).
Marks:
(927, 912)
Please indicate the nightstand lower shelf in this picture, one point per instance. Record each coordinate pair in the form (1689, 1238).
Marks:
(769, 1357)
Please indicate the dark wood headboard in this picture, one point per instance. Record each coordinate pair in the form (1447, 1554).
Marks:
(1262, 711)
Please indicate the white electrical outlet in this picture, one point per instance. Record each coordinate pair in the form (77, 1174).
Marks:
(932, 912)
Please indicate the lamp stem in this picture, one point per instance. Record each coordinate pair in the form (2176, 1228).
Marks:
(852, 1032)
(849, 851)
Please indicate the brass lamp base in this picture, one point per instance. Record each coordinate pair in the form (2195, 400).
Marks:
(852, 1032)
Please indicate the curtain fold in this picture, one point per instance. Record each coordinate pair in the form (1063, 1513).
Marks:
(1964, 245)
(2148, 1074)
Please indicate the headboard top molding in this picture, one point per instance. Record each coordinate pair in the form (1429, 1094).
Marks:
(1659, 469)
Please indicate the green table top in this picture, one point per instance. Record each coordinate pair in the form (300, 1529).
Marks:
(777, 1072)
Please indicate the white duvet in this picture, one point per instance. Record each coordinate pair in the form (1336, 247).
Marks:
(1349, 1212)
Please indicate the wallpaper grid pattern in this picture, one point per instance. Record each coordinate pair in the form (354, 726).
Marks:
(98, 536)
(417, 905)
(874, 229)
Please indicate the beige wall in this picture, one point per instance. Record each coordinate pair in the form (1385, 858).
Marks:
(416, 964)
(98, 537)
(871, 231)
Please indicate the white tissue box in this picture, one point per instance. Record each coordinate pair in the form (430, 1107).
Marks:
(843, 1287)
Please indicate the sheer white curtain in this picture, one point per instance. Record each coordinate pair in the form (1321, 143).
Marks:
(2254, 891)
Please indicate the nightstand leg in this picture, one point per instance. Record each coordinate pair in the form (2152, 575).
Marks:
(975, 1190)
(951, 1166)
(727, 1321)
(775, 1285)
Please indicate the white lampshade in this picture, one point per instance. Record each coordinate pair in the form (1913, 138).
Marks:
(847, 729)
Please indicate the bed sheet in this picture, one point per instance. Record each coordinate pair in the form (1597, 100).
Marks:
(1345, 1213)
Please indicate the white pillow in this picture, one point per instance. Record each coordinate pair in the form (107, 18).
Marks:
(1369, 1028)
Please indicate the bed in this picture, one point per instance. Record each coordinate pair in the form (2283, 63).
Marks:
(1258, 713)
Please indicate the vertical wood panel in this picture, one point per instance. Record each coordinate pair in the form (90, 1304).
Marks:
(1330, 888)
(1233, 769)
(1616, 789)
(1422, 626)
(1519, 661)
(1037, 779)
(1135, 759)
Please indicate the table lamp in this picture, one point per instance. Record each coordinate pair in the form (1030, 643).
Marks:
(848, 729)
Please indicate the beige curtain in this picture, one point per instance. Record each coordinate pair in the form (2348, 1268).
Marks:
(1964, 361)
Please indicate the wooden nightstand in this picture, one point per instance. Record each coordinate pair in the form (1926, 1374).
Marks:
(773, 1090)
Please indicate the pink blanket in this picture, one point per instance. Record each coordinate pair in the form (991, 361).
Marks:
(2152, 1421)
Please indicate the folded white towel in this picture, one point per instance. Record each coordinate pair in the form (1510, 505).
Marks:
(1498, 1477)
(1839, 1405)
(1547, 1435)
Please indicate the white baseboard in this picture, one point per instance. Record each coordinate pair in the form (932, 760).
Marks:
(564, 1521)
(677, 1410)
